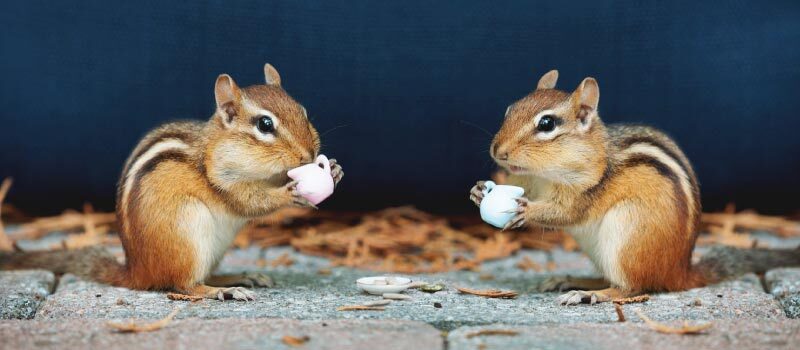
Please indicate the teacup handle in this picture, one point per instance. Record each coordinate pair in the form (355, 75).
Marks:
(489, 185)
(326, 164)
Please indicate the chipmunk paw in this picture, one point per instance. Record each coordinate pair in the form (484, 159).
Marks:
(576, 297)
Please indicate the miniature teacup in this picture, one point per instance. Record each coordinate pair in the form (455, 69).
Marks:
(314, 181)
(499, 203)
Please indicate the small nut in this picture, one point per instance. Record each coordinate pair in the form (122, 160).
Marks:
(432, 288)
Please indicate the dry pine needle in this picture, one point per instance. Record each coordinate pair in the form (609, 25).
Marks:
(133, 327)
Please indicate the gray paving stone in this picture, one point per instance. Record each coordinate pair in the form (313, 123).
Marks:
(784, 284)
(22, 292)
(222, 334)
(724, 334)
(308, 296)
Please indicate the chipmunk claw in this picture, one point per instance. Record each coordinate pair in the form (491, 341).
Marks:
(519, 219)
(296, 198)
(575, 297)
(476, 193)
(336, 171)
(235, 293)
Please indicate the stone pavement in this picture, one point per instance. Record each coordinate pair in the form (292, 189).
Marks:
(748, 312)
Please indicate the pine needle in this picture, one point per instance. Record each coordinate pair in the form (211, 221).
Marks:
(492, 332)
(489, 293)
(295, 341)
(132, 327)
(662, 328)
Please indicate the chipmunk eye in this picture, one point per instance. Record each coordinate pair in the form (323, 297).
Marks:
(265, 125)
(546, 123)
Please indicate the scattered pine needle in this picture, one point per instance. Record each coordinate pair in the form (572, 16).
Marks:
(748, 220)
(360, 308)
(661, 328)
(489, 293)
(132, 327)
(295, 341)
(184, 297)
(637, 299)
(620, 314)
(492, 332)
(69, 221)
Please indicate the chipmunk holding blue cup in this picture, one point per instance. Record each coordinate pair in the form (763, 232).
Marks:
(189, 187)
(626, 193)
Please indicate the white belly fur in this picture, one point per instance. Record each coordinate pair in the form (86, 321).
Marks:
(603, 240)
(211, 233)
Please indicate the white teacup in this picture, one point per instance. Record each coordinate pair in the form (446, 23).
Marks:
(314, 181)
(499, 203)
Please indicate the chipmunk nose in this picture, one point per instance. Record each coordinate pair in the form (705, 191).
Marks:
(496, 153)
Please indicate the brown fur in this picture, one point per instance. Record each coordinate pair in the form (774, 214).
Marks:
(223, 168)
(579, 175)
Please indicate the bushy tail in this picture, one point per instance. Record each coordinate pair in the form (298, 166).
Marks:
(92, 263)
(722, 263)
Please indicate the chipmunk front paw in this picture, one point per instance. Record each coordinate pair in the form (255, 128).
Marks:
(575, 297)
(336, 171)
(521, 214)
(476, 193)
(295, 198)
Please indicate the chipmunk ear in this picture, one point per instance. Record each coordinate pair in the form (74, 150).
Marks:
(586, 98)
(548, 80)
(228, 97)
(271, 75)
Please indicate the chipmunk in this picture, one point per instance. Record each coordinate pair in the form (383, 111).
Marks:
(189, 187)
(627, 194)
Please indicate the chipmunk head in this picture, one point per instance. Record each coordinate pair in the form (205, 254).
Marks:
(259, 132)
(551, 133)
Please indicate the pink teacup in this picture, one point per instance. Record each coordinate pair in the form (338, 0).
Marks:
(314, 181)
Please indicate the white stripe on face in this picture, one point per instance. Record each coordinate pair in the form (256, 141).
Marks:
(529, 129)
(158, 148)
(544, 136)
(268, 137)
(657, 153)
(285, 134)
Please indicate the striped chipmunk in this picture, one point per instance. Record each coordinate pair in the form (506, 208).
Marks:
(627, 194)
(190, 186)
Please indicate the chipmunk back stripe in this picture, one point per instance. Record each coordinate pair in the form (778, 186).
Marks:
(148, 143)
(668, 172)
(151, 164)
(670, 152)
(675, 154)
(676, 173)
(163, 145)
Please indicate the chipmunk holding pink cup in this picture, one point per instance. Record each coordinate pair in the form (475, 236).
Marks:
(189, 187)
(626, 193)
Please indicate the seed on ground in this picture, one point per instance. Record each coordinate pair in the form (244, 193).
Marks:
(377, 303)
(396, 296)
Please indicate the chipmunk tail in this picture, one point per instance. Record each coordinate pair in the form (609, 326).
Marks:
(722, 263)
(92, 263)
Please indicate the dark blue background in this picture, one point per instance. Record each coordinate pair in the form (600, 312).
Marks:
(397, 84)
